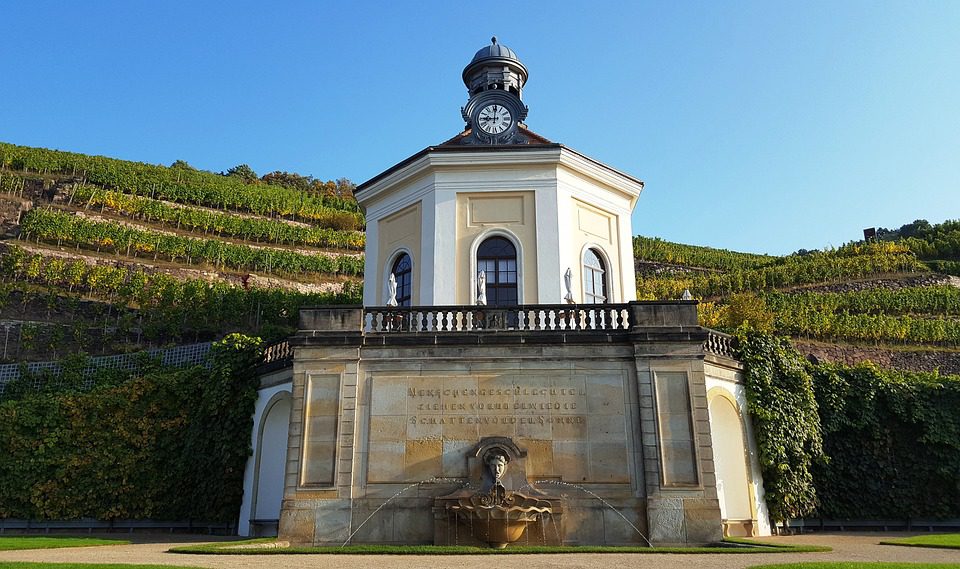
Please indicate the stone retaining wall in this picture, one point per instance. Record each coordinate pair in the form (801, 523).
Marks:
(913, 360)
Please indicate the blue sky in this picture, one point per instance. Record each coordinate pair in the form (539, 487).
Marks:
(757, 126)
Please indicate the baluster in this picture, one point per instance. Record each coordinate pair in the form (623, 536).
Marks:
(624, 319)
(592, 319)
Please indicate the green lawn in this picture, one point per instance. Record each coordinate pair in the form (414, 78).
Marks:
(859, 565)
(939, 540)
(229, 548)
(35, 542)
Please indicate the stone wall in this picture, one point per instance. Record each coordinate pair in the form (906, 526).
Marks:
(913, 360)
(383, 423)
(931, 279)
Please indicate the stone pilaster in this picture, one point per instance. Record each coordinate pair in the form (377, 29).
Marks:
(321, 449)
(678, 468)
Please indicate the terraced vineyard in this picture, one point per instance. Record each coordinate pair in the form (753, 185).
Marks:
(899, 292)
(106, 255)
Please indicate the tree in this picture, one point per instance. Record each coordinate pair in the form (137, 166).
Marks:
(244, 172)
(288, 180)
(748, 308)
(345, 188)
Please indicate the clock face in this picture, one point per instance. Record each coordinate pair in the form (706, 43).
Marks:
(494, 119)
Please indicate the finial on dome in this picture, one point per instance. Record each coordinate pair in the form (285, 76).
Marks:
(493, 40)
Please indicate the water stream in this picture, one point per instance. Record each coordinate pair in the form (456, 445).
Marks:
(595, 495)
(434, 480)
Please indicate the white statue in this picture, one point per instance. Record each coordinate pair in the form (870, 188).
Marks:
(392, 290)
(482, 288)
(568, 282)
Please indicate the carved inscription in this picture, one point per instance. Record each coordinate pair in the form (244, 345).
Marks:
(516, 405)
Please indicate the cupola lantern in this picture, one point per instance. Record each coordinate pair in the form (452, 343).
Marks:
(494, 78)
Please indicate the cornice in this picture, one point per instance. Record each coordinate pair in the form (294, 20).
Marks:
(435, 158)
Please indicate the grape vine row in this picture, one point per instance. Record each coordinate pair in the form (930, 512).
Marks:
(209, 221)
(163, 307)
(53, 225)
(183, 185)
(658, 250)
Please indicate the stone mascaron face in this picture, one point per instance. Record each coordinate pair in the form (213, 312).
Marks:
(498, 466)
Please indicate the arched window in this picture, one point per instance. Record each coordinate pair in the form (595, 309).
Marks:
(594, 278)
(497, 258)
(403, 272)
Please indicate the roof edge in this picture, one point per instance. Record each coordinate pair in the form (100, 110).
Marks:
(454, 148)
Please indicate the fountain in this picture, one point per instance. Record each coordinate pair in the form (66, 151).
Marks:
(495, 514)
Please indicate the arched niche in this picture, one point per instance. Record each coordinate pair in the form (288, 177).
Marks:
(730, 459)
(271, 461)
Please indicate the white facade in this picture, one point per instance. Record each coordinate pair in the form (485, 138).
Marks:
(549, 201)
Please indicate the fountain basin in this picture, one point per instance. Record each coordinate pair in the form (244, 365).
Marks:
(499, 522)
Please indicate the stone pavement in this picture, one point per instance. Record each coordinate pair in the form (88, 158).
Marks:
(151, 549)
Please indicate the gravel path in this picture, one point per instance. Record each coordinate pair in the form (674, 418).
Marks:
(152, 549)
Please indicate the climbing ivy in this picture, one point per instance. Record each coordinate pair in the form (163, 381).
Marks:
(851, 442)
(789, 440)
(894, 443)
(170, 444)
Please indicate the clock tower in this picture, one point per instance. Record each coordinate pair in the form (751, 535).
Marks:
(494, 79)
(498, 214)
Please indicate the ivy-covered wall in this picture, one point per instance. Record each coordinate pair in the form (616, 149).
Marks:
(893, 439)
(168, 445)
(852, 442)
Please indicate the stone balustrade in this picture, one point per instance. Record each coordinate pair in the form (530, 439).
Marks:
(279, 352)
(720, 344)
(523, 318)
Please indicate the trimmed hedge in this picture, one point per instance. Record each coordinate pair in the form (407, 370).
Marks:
(170, 444)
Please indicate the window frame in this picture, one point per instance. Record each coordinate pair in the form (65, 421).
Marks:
(395, 259)
(476, 265)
